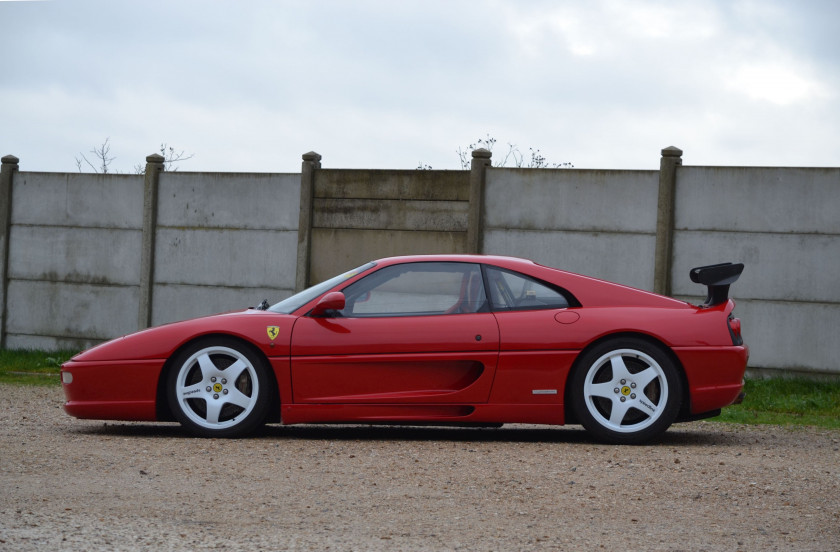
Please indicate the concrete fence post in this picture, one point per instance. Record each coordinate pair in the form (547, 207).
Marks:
(7, 170)
(311, 164)
(671, 159)
(478, 179)
(151, 183)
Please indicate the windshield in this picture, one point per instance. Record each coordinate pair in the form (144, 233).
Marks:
(296, 301)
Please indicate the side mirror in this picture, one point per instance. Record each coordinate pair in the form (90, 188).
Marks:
(333, 301)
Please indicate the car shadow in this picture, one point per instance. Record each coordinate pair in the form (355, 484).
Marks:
(511, 433)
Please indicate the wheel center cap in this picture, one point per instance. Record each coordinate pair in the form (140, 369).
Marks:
(625, 390)
(217, 387)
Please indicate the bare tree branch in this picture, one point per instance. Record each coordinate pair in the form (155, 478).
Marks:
(102, 157)
(512, 157)
(170, 157)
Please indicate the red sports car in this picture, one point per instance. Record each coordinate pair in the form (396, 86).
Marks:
(463, 339)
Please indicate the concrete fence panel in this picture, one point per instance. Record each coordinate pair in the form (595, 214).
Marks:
(74, 247)
(594, 222)
(63, 315)
(360, 215)
(784, 225)
(224, 242)
(78, 200)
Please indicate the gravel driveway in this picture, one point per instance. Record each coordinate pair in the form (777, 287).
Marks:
(69, 484)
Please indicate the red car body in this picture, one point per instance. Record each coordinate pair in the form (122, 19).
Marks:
(482, 365)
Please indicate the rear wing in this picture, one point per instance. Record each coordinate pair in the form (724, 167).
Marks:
(717, 278)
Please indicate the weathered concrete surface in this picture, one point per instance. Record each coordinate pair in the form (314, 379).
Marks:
(388, 214)
(598, 223)
(76, 241)
(86, 200)
(349, 248)
(759, 199)
(48, 315)
(609, 256)
(779, 266)
(245, 258)
(73, 259)
(173, 302)
(784, 225)
(791, 336)
(225, 241)
(573, 200)
(360, 215)
(67, 254)
(221, 200)
(385, 184)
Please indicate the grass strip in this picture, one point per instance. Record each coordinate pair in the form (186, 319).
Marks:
(27, 367)
(777, 401)
(787, 401)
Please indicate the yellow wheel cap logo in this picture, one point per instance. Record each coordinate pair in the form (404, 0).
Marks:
(217, 387)
(625, 390)
(272, 332)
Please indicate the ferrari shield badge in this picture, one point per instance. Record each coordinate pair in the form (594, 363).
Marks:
(272, 332)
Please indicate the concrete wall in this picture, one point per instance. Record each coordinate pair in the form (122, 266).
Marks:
(598, 223)
(73, 267)
(75, 252)
(90, 257)
(784, 225)
(223, 241)
(360, 215)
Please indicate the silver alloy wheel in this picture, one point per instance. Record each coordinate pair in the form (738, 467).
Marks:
(217, 388)
(625, 390)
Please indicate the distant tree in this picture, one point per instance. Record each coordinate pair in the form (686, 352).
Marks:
(534, 160)
(102, 158)
(170, 157)
(513, 157)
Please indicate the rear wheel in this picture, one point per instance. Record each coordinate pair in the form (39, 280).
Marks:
(219, 388)
(625, 391)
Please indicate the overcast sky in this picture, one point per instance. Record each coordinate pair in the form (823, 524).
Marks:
(249, 86)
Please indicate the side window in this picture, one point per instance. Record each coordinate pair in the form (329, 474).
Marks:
(514, 291)
(417, 289)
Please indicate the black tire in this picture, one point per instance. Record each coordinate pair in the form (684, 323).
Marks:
(219, 387)
(625, 391)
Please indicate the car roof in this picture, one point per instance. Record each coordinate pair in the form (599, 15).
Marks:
(588, 290)
(499, 260)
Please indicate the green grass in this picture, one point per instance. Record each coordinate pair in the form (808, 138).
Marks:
(778, 401)
(783, 401)
(24, 367)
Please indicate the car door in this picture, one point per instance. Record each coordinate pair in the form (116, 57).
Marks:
(539, 334)
(418, 332)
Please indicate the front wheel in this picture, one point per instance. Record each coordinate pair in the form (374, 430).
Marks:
(625, 391)
(219, 388)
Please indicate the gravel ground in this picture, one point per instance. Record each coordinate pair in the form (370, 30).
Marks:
(70, 484)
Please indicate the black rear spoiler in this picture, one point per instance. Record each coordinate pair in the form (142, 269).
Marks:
(717, 278)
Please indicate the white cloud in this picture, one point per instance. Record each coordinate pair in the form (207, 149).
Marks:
(253, 85)
(777, 83)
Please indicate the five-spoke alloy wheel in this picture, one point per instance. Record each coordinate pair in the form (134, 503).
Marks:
(219, 388)
(625, 391)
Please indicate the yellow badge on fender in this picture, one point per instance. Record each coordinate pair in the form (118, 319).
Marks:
(272, 332)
